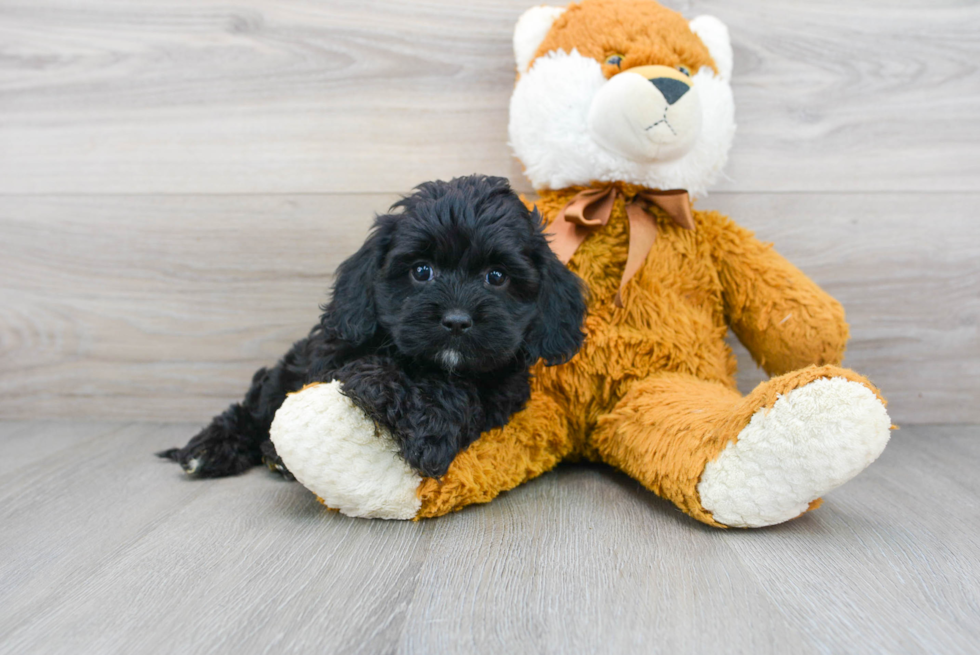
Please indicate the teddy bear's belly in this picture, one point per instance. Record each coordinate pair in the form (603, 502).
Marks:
(678, 342)
(619, 353)
(673, 319)
(673, 324)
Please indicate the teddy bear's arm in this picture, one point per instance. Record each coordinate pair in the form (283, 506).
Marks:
(429, 423)
(782, 317)
(534, 441)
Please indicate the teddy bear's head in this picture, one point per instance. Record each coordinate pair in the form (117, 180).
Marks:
(621, 90)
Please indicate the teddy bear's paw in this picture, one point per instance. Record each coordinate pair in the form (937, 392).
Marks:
(811, 441)
(338, 453)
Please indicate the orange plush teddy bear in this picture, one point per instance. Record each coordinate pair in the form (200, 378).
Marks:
(622, 108)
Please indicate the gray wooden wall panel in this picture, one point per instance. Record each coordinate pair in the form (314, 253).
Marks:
(178, 179)
(203, 96)
(141, 307)
(162, 307)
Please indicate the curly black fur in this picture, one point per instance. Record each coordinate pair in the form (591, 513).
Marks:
(437, 361)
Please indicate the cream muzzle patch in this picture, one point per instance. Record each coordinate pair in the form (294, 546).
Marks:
(647, 113)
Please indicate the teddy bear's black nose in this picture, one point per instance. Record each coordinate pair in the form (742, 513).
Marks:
(457, 321)
(671, 88)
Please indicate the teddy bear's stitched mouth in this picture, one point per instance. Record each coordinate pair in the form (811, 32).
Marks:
(663, 121)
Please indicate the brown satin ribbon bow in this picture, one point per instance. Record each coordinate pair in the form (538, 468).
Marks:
(591, 208)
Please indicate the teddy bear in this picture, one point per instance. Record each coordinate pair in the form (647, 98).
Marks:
(622, 113)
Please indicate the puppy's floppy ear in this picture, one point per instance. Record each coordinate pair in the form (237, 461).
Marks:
(556, 334)
(351, 315)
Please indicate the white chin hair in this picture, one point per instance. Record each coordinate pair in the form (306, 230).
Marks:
(450, 358)
(549, 130)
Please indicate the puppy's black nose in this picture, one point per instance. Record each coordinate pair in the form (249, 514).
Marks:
(457, 321)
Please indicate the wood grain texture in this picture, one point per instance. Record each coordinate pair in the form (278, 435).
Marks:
(106, 549)
(213, 149)
(161, 308)
(21, 445)
(178, 180)
(209, 96)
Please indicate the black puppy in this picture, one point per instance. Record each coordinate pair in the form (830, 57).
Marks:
(432, 327)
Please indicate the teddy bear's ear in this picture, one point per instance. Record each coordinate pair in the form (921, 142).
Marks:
(532, 27)
(714, 35)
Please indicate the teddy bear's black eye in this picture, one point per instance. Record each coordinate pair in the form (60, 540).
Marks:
(684, 70)
(614, 60)
(496, 277)
(422, 272)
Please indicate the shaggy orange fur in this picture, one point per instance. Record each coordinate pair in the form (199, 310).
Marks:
(602, 28)
(652, 391)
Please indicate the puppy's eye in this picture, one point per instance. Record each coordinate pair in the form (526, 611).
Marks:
(614, 60)
(684, 70)
(496, 277)
(422, 272)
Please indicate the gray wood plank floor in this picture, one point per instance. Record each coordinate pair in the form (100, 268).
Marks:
(106, 550)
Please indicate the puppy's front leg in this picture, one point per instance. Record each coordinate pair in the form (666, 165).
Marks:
(431, 434)
(430, 419)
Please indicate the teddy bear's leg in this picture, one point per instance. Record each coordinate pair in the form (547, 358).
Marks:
(533, 442)
(746, 462)
(339, 454)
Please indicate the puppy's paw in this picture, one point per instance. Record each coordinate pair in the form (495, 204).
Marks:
(429, 455)
(811, 441)
(338, 453)
(213, 453)
(273, 461)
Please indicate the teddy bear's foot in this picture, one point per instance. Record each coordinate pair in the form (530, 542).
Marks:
(813, 439)
(338, 453)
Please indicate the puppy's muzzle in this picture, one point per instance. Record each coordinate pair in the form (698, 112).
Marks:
(647, 113)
